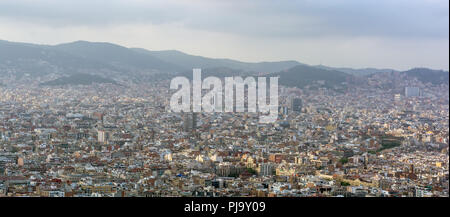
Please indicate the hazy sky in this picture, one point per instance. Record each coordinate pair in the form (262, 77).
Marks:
(397, 34)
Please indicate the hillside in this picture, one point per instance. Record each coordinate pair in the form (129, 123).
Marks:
(78, 79)
(140, 65)
(220, 72)
(357, 72)
(22, 58)
(428, 75)
(121, 57)
(301, 76)
(190, 61)
(111, 60)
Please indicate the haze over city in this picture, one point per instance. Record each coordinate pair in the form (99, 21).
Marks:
(359, 34)
(226, 100)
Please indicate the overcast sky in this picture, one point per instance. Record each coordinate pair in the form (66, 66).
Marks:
(398, 34)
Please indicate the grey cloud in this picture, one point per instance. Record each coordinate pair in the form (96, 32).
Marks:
(86, 13)
(336, 18)
(263, 18)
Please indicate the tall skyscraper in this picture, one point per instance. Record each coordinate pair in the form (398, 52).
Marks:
(284, 110)
(296, 104)
(102, 136)
(412, 91)
(190, 121)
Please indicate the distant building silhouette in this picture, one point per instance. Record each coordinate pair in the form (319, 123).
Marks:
(412, 91)
(190, 121)
(296, 104)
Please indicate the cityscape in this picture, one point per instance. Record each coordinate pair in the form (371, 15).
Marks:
(109, 140)
(94, 119)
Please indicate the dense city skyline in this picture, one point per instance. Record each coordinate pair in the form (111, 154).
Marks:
(314, 99)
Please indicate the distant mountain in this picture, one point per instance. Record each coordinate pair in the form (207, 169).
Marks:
(357, 72)
(302, 75)
(428, 75)
(220, 72)
(111, 60)
(190, 61)
(139, 65)
(22, 58)
(77, 79)
(120, 57)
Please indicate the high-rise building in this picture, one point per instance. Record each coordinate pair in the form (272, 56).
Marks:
(296, 104)
(102, 136)
(412, 91)
(284, 110)
(266, 169)
(190, 121)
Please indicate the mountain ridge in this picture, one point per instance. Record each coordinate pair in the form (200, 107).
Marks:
(194, 61)
(137, 64)
(78, 79)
